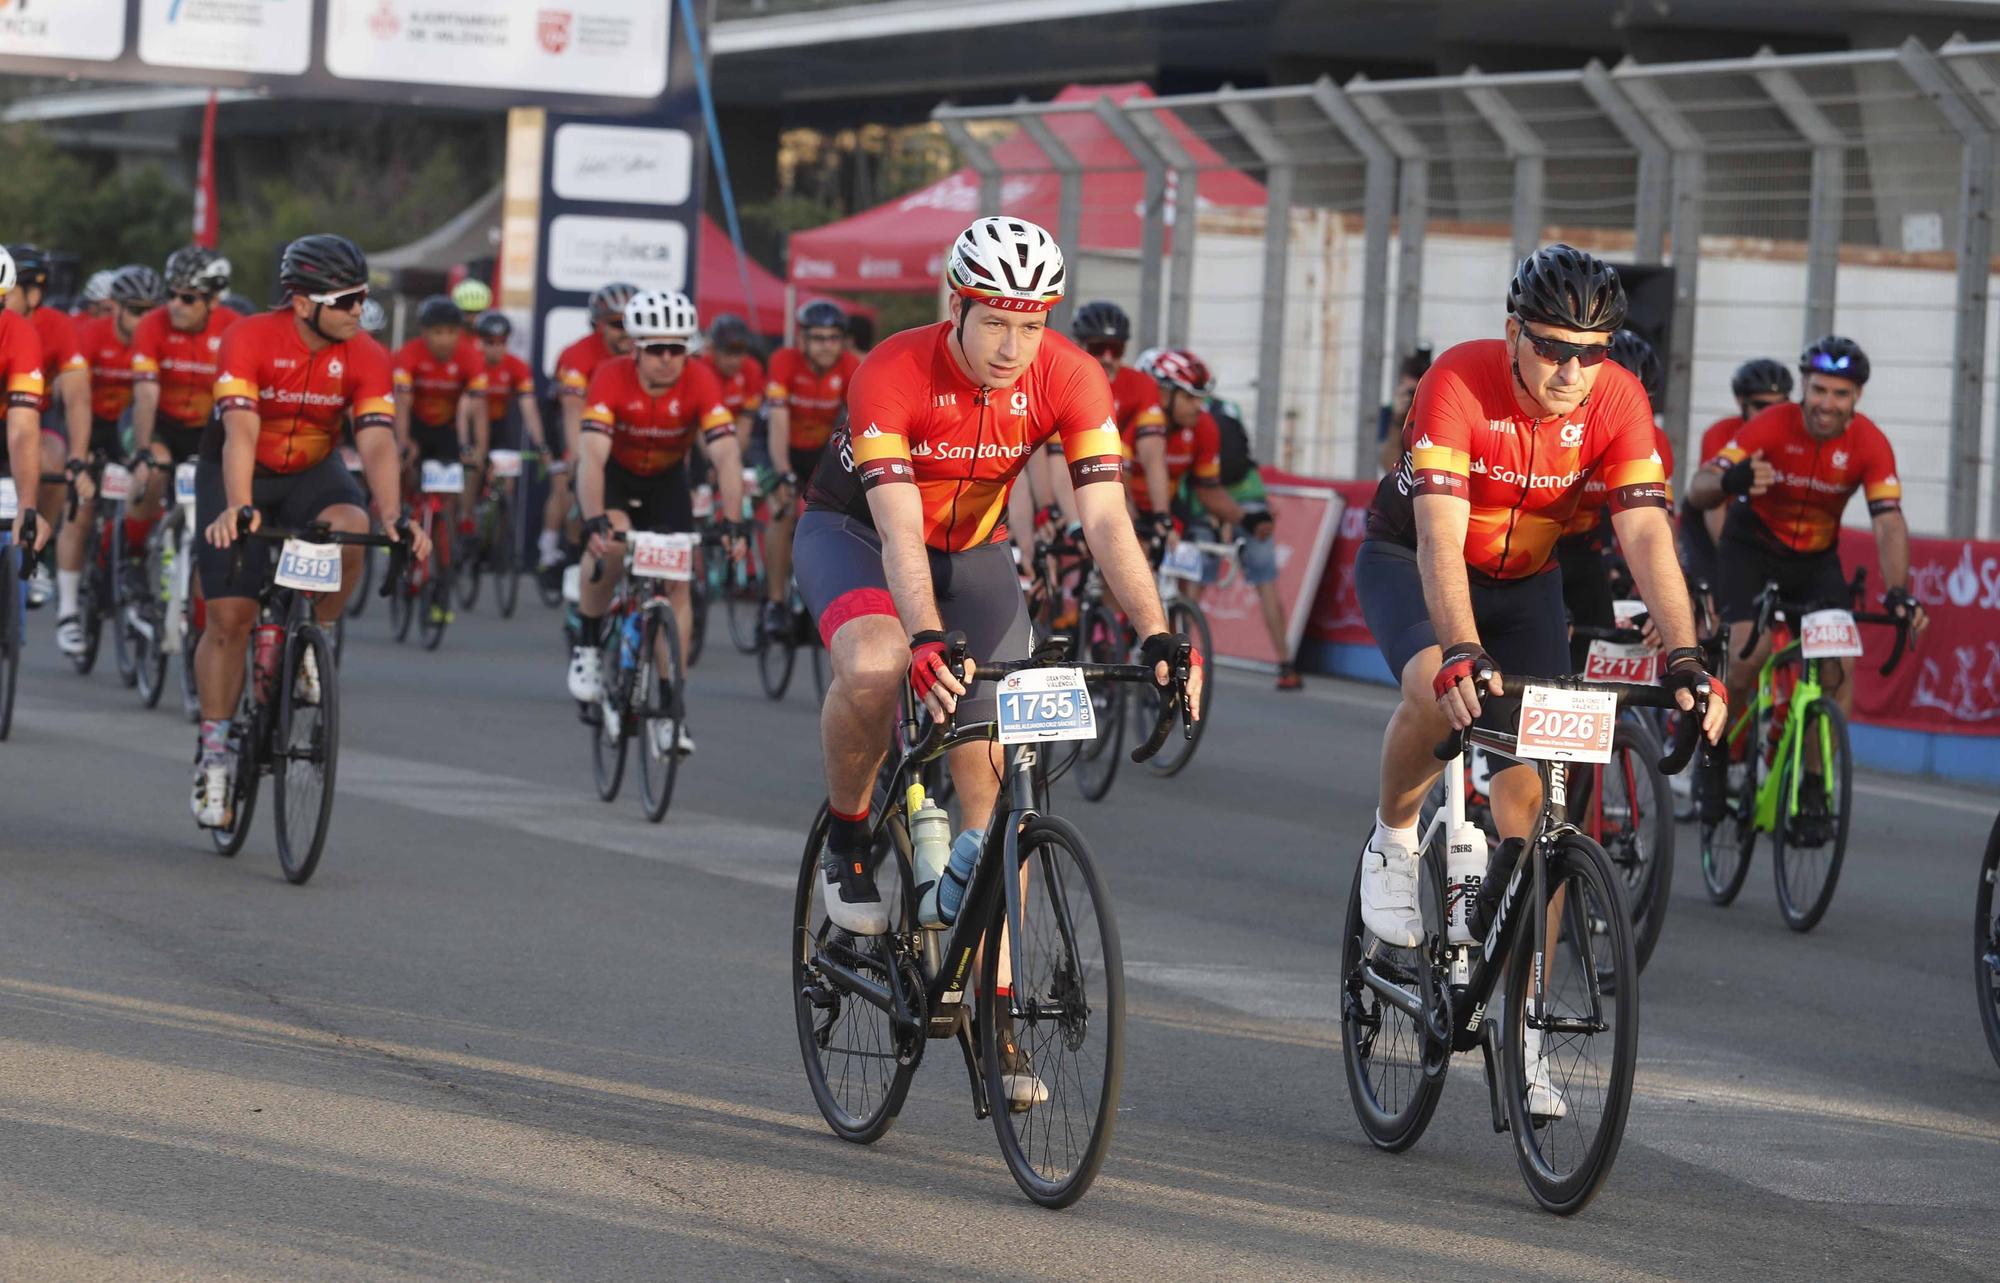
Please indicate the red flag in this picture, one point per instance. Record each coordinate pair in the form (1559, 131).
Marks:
(205, 214)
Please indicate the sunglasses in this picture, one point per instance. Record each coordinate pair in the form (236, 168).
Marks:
(664, 349)
(825, 336)
(189, 300)
(346, 301)
(614, 325)
(1113, 348)
(136, 309)
(1557, 352)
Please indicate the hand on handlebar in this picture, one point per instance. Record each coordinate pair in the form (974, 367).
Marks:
(403, 529)
(1688, 678)
(600, 536)
(932, 680)
(1902, 604)
(233, 524)
(1465, 671)
(29, 531)
(1158, 650)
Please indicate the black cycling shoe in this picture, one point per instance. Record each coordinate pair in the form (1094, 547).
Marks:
(1811, 822)
(847, 886)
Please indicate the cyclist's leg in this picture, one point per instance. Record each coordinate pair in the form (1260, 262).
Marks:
(1390, 588)
(781, 532)
(668, 509)
(979, 594)
(1523, 626)
(328, 492)
(1741, 570)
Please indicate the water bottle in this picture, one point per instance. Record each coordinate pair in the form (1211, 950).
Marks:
(1464, 873)
(268, 637)
(958, 875)
(628, 642)
(930, 850)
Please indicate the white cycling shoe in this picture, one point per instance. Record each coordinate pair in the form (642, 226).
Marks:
(854, 901)
(305, 685)
(69, 635)
(1545, 1099)
(1389, 907)
(672, 737)
(586, 674)
(211, 795)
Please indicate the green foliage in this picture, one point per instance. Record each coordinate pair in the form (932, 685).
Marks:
(106, 216)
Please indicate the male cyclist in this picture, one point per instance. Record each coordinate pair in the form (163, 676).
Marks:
(1757, 386)
(1103, 330)
(287, 378)
(509, 381)
(1456, 576)
(903, 535)
(802, 399)
(65, 379)
(440, 380)
(741, 374)
(174, 353)
(21, 377)
(94, 300)
(640, 421)
(1786, 477)
(578, 361)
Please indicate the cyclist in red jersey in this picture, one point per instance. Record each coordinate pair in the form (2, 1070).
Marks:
(1191, 444)
(574, 366)
(1790, 472)
(1456, 576)
(174, 352)
(741, 376)
(903, 535)
(287, 380)
(802, 398)
(440, 382)
(1757, 386)
(65, 379)
(21, 378)
(509, 384)
(642, 417)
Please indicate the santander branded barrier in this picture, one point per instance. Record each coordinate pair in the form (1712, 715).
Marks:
(1938, 712)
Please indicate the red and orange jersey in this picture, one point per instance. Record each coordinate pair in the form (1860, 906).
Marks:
(652, 433)
(1135, 403)
(21, 365)
(182, 362)
(435, 386)
(914, 418)
(1195, 449)
(814, 397)
(578, 362)
(61, 352)
(1716, 435)
(743, 391)
(110, 360)
(1801, 511)
(1590, 508)
(506, 379)
(300, 396)
(1467, 438)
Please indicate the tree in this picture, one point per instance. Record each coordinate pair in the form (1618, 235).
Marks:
(104, 215)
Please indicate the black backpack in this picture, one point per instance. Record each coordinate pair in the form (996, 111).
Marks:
(1235, 447)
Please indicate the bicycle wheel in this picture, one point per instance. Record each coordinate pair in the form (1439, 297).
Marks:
(698, 604)
(1986, 945)
(434, 606)
(146, 617)
(742, 599)
(1806, 852)
(403, 603)
(246, 736)
(1589, 1042)
(858, 1063)
(91, 598)
(466, 556)
(357, 601)
(608, 733)
(308, 747)
(10, 632)
(506, 552)
(775, 657)
(1187, 618)
(1727, 844)
(118, 619)
(1635, 818)
(1065, 1015)
(190, 695)
(1395, 1070)
(657, 702)
(1102, 641)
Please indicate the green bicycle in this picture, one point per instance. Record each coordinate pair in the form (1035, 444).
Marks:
(1795, 734)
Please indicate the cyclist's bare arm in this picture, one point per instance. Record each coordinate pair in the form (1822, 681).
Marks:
(726, 455)
(1216, 498)
(531, 420)
(75, 388)
(145, 412)
(239, 471)
(403, 419)
(482, 424)
(898, 512)
(1892, 551)
(1647, 536)
(382, 465)
(778, 426)
(24, 451)
(1021, 524)
(1107, 527)
(1442, 521)
(592, 450)
(572, 416)
(1152, 453)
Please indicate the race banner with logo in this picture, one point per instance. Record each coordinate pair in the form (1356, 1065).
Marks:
(1307, 517)
(1950, 681)
(1336, 607)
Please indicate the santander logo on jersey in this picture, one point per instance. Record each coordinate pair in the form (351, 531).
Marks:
(985, 450)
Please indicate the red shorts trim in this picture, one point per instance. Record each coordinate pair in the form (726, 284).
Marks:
(853, 604)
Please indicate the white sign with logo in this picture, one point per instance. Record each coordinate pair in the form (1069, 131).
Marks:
(93, 29)
(10, 500)
(1560, 725)
(586, 250)
(1829, 634)
(115, 483)
(657, 556)
(615, 48)
(262, 37)
(560, 328)
(1617, 662)
(622, 165)
(440, 477)
(506, 463)
(1043, 704)
(309, 567)
(184, 484)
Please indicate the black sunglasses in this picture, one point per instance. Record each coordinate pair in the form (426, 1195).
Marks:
(1560, 353)
(1113, 348)
(614, 324)
(189, 300)
(664, 349)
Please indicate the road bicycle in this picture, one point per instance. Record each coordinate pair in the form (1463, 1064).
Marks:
(424, 595)
(15, 566)
(1791, 731)
(1044, 1050)
(287, 723)
(492, 547)
(1986, 943)
(159, 616)
(645, 684)
(778, 649)
(1187, 562)
(1550, 911)
(107, 583)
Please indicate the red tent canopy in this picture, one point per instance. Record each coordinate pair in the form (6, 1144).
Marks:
(721, 287)
(901, 245)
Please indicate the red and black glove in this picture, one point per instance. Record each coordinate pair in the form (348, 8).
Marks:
(1462, 660)
(1159, 649)
(928, 650)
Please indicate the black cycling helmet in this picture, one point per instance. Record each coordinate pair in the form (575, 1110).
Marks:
(137, 285)
(322, 264)
(1760, 376)
(494, 325)
(438, 310)
(1100, 320)
(196, 267)
(31, 266)
(822, 315)
(1630, 349)
(729, 331)
(1562, 286)
(1837, 356)
(608, 304)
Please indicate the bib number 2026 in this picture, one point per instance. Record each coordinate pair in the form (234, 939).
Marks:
(1566, 725)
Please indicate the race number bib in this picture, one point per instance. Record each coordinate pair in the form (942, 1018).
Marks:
(704, 502)
(1184, 561)
(184, 484)
(1614, 662)
(1567, 726)
(1829, 634)
(115, 483)
(443, 478)
(662, 556)
(10, 500)
(1044, 704)
(506, 464)
(309, 567)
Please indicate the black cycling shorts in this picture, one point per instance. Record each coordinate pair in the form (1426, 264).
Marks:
(805, 463)
(1521, 621)
(182, 440)
(289, 499)
(1745, 568)
(554, 433)
(1697, 548)
(837, 560)
(660, 504)
(106, 439)
(1586, 592)
(440, 442)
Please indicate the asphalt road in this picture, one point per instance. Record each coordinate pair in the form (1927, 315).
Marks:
(509, 1032)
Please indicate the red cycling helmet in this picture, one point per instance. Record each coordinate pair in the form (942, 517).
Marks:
(1184, 370)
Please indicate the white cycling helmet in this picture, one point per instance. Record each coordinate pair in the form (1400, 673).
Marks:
(1147, 362)
(98, 287)
(1008, 263)
(661, 314)
(8, 277)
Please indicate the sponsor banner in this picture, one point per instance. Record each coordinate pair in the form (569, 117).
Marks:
(1336, 608)
(89, 29)
(260, 37)
(1307, 517)
(583, 251)
(622, 164)
(568, 46)
(1950, 680)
